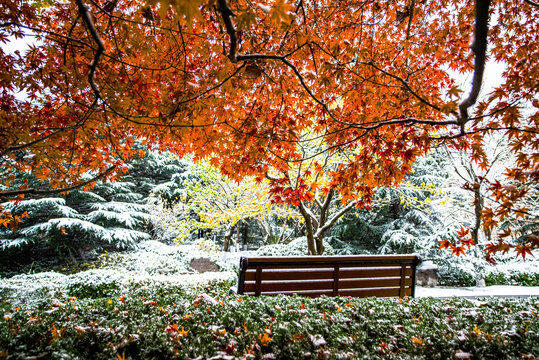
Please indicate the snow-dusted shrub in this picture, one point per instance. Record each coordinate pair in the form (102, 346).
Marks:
(155, 258)
(95, 283)
(33, 289)
(190, 284)
(38, 289)
(297, 247)
(218, 326)
(145, 262)
(455, 272)
(515, 272)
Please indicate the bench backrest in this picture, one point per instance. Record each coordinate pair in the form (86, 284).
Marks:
(313, 276)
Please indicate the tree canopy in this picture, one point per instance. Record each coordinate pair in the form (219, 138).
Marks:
(249, 86)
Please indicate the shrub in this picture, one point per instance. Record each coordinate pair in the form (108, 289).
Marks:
(94, 284)
(452, 273)
(184, 326)
(512, 278)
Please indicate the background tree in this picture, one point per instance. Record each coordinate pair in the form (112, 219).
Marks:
(75, 227)
(209, 201)
(307, 186)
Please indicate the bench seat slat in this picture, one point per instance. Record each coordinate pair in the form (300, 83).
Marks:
(308, 293)
(346, 273)
(327, 265)
(333, 259)
(290, 274)
(372, 283)
(250, 286)
(290, 285)
(377, 292)
(325, 273)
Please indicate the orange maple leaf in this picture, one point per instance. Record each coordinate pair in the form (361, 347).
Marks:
(445, 244)
(468, 242)
(463, 232)
(458, 250)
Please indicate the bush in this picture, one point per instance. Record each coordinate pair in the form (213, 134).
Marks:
(181, 326)
(453, 273)
(513, 278)
(34, 290)
(94, 284)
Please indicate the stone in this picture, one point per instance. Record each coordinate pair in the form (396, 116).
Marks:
(427, 274)
(202, 265)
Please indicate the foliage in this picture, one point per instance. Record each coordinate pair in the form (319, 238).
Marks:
(207, 201)
(75, 227)
(176, 325)
(409, 218)
(518, 278)
(249, 86)
(296, 247)
(151, 267)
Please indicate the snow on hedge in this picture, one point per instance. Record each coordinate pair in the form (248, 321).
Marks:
(152, 266)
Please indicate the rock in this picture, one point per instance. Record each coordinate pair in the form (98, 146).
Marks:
(202, 265)
(427, 274)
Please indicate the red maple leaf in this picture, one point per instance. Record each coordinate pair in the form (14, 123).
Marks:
(522, 250)
(445, 244)
(468, 242)
(463, 232)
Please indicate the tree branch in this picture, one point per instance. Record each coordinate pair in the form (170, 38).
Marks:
(226, 13)
(404, 83)
(336, 217)
(479, 47)
(324, 208)
(11, 195)
(83, 11)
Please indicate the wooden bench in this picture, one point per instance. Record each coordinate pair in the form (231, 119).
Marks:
(313, 276)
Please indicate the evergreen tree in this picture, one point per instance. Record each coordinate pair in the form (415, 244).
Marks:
(78, 225)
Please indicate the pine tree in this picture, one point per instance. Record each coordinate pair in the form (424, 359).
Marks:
(78, 225)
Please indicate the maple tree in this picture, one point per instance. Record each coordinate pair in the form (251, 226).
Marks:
(307, 185)
(247, 84)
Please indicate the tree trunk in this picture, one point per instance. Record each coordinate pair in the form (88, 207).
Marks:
(238, 236)
(245, 235)
(228, 238)
(478, 207)
(309, 231)
(319, 245)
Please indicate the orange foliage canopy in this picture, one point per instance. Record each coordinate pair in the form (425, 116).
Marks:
(249, 85)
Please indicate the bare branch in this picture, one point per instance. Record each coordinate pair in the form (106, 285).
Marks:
(324, 208)
(405, 84)
(83, 10)
(226, 13)
(336, 217)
